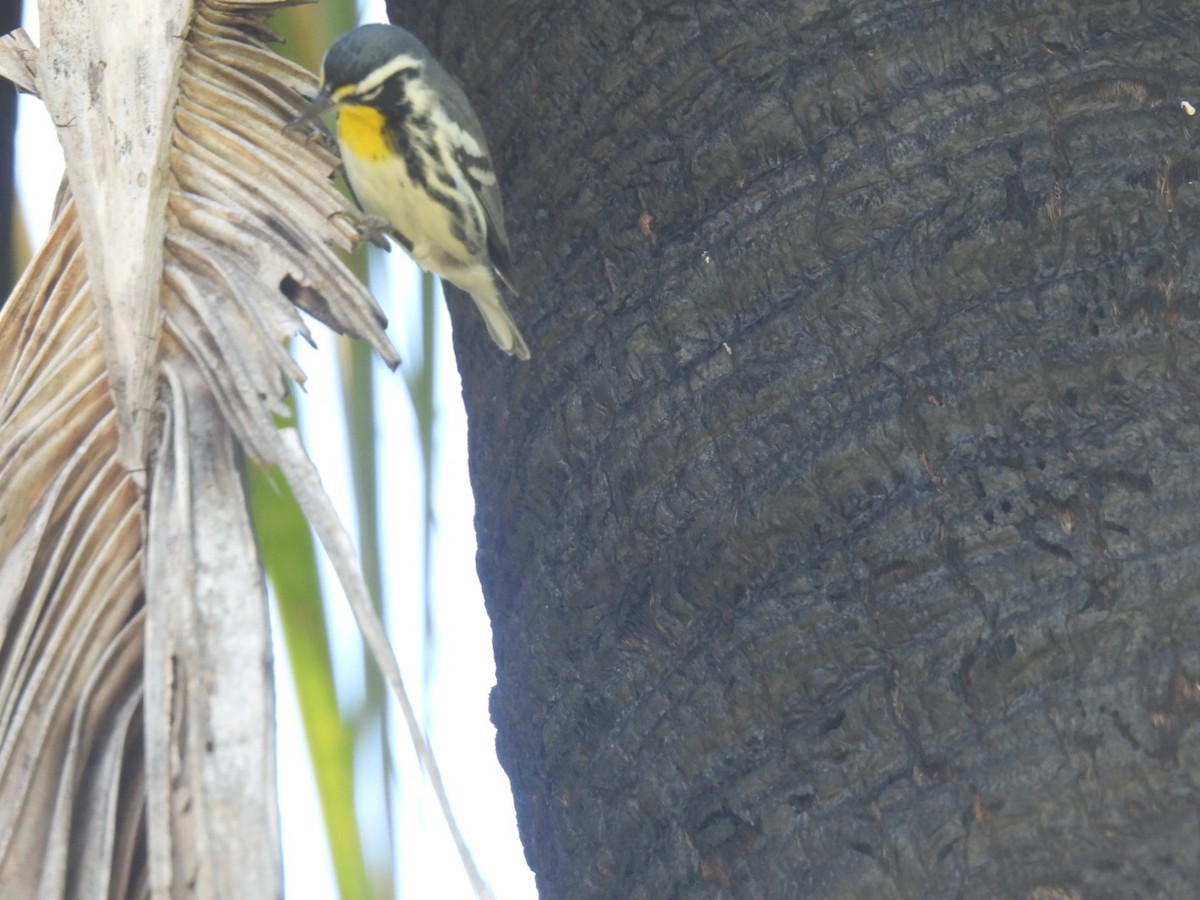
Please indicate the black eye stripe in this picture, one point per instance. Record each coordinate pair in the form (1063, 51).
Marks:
(393, 85)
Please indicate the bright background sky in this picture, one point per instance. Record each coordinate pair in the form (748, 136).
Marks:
(463, 672)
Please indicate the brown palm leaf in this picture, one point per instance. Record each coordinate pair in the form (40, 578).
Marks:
(144, 350)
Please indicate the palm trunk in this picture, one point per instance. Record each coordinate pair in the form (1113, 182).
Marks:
(842, 539)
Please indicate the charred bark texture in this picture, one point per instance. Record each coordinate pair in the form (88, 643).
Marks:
(10, 18)
(842, 538)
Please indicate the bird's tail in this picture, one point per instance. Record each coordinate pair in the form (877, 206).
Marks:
(500, 324)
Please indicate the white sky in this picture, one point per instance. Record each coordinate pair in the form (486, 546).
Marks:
(462, 735)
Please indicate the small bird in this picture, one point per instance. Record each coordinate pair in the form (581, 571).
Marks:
(416, 158)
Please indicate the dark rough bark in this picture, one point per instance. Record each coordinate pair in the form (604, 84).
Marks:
(841, 539)
(10, 18)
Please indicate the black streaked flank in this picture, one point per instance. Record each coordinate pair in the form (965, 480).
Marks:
(469, 162)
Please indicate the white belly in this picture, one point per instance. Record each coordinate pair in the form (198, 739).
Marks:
(386, 191)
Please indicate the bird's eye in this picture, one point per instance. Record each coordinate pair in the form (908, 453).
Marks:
(372, 93)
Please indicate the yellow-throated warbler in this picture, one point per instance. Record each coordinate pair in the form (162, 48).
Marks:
(415, 156)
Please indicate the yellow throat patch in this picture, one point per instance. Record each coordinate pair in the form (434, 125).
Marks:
(360, 130)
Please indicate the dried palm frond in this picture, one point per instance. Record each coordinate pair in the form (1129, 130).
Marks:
(144, 352)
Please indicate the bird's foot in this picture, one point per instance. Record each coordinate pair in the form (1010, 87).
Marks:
(369, 229)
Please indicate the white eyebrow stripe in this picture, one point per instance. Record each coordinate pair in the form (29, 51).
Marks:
(384, 72)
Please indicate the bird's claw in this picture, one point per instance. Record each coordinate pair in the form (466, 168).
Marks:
(369, 229)
(374, 230)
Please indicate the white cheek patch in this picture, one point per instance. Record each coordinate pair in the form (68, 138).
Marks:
(420, 96)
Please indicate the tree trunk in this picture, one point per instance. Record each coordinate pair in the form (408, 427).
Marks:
(10, 18)
(841, 538)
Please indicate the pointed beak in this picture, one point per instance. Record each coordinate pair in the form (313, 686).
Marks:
(310, 113)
